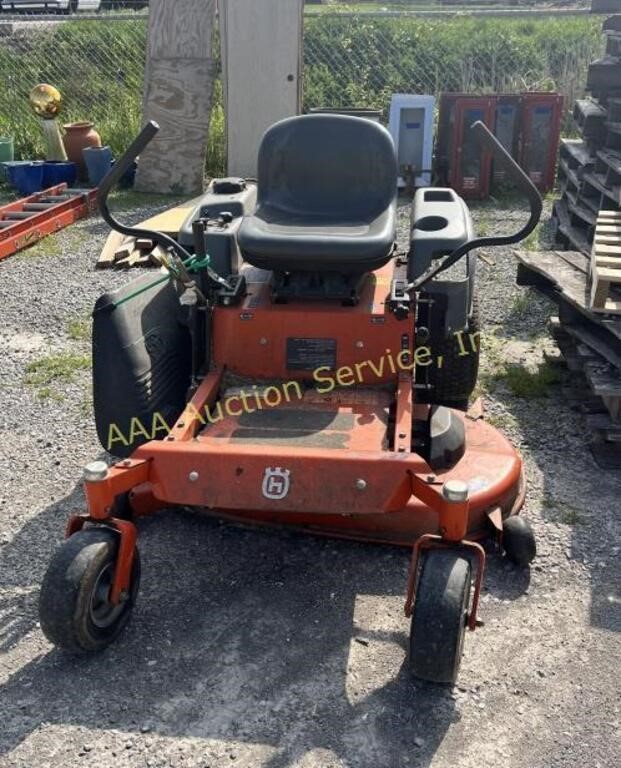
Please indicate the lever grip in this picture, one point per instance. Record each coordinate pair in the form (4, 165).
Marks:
(112, 178)
(486, 140)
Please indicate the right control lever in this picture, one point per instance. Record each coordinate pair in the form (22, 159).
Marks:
(487, 140)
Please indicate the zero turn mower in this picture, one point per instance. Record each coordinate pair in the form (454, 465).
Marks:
(291, 368)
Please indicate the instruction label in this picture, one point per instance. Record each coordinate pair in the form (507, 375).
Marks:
(310, 354)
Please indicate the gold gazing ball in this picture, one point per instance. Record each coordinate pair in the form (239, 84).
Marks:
(45, 101)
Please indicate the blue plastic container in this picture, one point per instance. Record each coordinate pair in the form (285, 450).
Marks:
(4, 167)
(98, 162)
(58, 172)
(26, 177)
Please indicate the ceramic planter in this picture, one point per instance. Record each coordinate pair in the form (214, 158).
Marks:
(59, 173)
(98, 162)
(79, 136)
(26, 177)
(6, 149)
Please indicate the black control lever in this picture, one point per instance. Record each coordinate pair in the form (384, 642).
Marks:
(112, 178)
(487, 140)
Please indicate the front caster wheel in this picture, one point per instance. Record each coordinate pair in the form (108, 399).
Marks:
(74, 606)
(518, 541)
(439, 616)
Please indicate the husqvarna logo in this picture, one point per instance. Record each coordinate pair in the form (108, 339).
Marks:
(276, 483)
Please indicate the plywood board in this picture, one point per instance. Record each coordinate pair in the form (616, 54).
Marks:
(178, 90)
(169, 222)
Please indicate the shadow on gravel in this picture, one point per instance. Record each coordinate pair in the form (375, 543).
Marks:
(22, 564)
(502, 579)
(576, 493)
(239, 636)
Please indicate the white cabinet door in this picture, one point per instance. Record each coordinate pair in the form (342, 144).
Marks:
(262, 68)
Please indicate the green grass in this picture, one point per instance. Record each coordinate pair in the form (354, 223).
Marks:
(483, 224)
(500, 421)
(521, 303)
(336, 6)
(45, 375)
(129, 200)
(533, 241)
(98, 68)
(361, 62)
(521, 381)
(50, 245)
(79, 328)
(526, 383)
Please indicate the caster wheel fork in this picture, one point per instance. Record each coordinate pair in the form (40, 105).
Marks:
(440, 606)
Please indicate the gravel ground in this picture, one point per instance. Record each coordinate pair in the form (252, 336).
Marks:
(272, 649)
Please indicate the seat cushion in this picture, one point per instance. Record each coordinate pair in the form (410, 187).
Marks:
(280, 240)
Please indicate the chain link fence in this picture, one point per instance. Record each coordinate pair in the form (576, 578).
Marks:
(98, 61)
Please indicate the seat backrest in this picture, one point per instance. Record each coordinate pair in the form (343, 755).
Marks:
(332, 166)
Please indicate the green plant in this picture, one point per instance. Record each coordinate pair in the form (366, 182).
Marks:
(529, 384)
(348, 61)
(456, 54)
(42, 375)
(533, 241)
(562, 511)
(521, 303)
(48, 246)
(79, 328)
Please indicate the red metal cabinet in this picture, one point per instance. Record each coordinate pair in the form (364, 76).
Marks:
(460, 162)
(507, 128)
(540, 136)
(471, 165)
(527, 125)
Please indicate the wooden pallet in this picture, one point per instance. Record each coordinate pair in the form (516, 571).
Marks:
(590, 344)
(605, 272)
(563, 277)
(123, 252)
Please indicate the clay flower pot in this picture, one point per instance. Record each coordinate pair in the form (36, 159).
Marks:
(79, 136)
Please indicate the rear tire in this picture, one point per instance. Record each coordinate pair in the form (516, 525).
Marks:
(454, 382)
(439, 616)
(74, 609)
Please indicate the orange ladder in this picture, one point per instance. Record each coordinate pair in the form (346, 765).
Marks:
(32, 218)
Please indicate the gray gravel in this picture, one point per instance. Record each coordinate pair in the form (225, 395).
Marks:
(272, 649)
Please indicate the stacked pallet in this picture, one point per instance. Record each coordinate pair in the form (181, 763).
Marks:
(589, 341)
(590, 167)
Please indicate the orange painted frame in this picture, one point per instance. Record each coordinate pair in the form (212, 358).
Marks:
(250, 339)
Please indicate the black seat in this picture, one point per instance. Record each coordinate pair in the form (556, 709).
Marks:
(327, 188)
